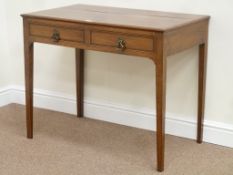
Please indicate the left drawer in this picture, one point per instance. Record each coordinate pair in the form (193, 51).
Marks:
(56, 31)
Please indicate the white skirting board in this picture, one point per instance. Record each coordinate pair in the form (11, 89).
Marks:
(214, 132)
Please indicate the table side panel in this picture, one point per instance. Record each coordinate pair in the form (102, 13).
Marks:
(186, 37)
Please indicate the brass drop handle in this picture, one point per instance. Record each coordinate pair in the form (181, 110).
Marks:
(56, 36)
(121, 44)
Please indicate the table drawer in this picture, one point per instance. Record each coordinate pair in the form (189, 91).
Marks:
(57, 33)
(122, 41)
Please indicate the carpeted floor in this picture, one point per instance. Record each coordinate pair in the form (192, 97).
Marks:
(66, 145)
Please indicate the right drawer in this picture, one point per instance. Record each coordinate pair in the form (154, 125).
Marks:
(122, 41)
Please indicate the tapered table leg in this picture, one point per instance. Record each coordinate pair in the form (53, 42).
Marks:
(28, 60)
(79, 81)
(201, 90)
(160, 108)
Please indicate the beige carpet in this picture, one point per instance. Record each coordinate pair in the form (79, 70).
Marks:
(66, 145)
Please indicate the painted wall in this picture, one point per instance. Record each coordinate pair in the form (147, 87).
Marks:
(5, 62)
(129, 81)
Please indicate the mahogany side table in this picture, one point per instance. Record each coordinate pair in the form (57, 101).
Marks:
(151, 34)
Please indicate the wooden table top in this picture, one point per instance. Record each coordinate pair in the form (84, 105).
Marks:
(121, 17)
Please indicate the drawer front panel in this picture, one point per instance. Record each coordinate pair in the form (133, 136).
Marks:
(94, 37)
(131, 41)
(62, 33)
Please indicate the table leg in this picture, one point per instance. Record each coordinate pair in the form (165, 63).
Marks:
(79, 80)
(160, 108)
(201, 90)
(28, 51)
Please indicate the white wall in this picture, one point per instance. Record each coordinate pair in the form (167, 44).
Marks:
(129, 81)
(5, 76)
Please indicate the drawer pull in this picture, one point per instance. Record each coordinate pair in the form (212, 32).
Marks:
(121, 45)
(56, 36)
